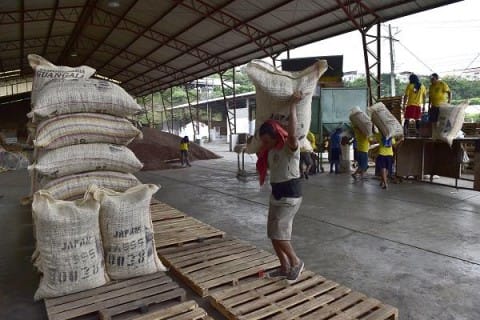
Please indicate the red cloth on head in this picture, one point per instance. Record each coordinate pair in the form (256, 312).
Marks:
(281, 136)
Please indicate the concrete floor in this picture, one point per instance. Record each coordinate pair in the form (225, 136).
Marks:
(415, 246)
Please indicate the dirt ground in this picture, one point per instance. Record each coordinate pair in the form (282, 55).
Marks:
(161, 150)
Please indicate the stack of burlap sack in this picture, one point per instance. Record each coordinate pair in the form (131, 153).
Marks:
(81, 131)
(449, 124)
(91, 215)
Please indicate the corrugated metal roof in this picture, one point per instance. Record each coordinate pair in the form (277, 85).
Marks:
(149, 44)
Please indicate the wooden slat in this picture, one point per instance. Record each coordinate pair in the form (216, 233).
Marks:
(213, 264)
(185, 311)
(160, 212)
(173, 228)
(311, 297)
(115, 298)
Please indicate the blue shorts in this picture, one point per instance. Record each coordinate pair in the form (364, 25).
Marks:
(362, 158)
(384, 162)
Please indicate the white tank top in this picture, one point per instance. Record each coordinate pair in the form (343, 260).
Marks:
(284, 164)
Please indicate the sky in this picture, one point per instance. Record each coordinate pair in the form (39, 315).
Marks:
(444, 40)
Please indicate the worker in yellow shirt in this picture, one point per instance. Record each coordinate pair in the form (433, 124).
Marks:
(414, 102)
(184, 144)
(363, 145)
(384, 160)
(438, 93)
(306, 159)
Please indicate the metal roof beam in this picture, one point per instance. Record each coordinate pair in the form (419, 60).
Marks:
(89, 43)
(33, 43)
(110, 31)
(50, 27)
(205, 15)
(135, 28)
(268, 10)
(312, 17)
(77, 30)
(230, 21)
(63, 14)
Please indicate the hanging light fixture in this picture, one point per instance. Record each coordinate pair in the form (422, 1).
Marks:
(113, 3)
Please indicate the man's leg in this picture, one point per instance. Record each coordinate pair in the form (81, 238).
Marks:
(286, 248)
(284, 260)
(384, 178)
(181, 158)
(186, 159)
(405, 127)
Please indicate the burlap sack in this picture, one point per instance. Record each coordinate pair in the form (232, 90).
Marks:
(74, 186)
(127, 231)
(274, 89)
(361, 120)
(86, 157)
(69, 245)
(81, 128)
(45, 71)
(385, 121)
(87, 95)
(450, 122)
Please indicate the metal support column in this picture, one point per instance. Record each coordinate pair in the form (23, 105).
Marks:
(171, 107)
(198, 110)
(231, 112)
(371, 40)
(165, 111)
(191, 114)
(153, 114)
(365, 19)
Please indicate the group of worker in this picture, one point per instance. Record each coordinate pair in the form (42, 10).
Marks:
(281, 153)
(416, 96)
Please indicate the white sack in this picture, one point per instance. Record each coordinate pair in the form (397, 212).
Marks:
(86, 157)
(45, 71)
(274, 89)
(127, 231)
(69, 245)
(385, 121)
(361, 121)
(88, 95)
(83, 128)
(450, 122)
(74, 186)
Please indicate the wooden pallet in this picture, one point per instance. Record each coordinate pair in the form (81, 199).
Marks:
(177, 232)
(162, 211)
(116, 298)
(188, 310)
(216, 263)
(312, 297)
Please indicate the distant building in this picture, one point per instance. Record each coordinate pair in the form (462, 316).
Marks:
(403, 76)
(351, 76)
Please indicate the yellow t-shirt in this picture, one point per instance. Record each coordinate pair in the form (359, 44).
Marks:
(438, 93)
(184, 146)
(311, 138)
(384, 151)
(363, 145)
(415, 98)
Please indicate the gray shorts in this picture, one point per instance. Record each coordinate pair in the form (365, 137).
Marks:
(280, 217)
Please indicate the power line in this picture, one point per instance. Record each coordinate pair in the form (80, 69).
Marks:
(470, 64)
(415, 56)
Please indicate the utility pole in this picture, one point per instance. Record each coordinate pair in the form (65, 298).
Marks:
(392, 62)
